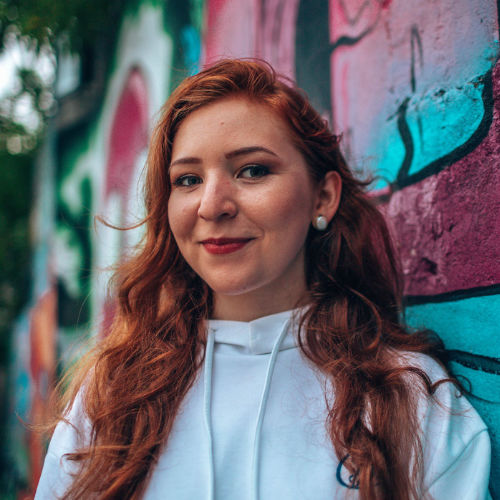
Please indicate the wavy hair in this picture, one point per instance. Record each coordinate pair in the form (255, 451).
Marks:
(133, 382)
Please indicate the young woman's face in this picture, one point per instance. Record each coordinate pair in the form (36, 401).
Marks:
(242, 200)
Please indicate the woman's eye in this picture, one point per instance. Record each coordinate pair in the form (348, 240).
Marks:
(254, 171)
(187, 180)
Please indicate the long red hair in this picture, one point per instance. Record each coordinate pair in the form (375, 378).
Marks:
(134, 381)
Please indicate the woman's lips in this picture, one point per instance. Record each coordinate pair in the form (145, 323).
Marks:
(224, 245)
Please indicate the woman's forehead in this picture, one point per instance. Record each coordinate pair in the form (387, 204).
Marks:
(231, 123)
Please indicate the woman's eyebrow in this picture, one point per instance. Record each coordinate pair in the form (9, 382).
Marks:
(190, 160)
(247, 150)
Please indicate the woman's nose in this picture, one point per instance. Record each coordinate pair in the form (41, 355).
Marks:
(217, 200)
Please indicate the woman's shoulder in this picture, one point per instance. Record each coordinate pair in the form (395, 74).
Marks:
(446, 397)
(455, 442)
(73, 429)
(70, 434)
(432, 367)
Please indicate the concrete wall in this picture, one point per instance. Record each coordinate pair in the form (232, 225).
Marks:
(414, 89)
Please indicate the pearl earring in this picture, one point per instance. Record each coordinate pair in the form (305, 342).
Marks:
(320, 222)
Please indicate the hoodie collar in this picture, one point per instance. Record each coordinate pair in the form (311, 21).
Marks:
(257, 336)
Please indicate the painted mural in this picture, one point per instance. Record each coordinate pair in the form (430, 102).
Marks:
(415, 93)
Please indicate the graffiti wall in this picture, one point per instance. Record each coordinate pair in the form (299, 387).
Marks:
(413, 88)
(415, 93)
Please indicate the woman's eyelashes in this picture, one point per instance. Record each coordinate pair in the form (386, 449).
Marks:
(253, 171)
(187, 180)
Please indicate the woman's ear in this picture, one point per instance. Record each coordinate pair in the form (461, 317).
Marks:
(328, 195)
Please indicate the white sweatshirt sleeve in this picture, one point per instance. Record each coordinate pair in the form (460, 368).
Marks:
(466, 477)
(455, 442)
(57, 473)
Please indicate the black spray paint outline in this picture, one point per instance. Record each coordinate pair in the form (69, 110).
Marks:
(459, 152)
(477, 362)
(435, 166)
(348, 40)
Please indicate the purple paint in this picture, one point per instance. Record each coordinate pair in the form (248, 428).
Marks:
(448, 225)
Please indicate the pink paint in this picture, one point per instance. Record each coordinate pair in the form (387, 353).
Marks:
(211, 41)
(230, 29)
(344, 92)
(275, 33)
(448, 225)
(128, 138)
(352, 18)
(251, 28)
(129, 134)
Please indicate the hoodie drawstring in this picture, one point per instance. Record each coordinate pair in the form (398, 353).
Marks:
(207, 406)
(262, 409)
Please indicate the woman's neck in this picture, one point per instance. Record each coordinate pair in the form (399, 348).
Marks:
(250, 306)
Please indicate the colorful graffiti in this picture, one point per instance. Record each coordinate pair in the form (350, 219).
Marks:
(414, 93)
(128, 138)
(86, 169)
(413, 90)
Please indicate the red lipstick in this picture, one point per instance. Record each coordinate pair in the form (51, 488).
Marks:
(220, 246)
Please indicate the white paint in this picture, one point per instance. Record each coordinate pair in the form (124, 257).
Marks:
(68, 73)
(142, 44)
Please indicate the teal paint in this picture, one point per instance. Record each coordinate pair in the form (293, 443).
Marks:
(182, 23)
(482, 385)
(386, 155)
(437, 124)
(446, 119)
(20, 398)
(191, 48)
(470, 324)
(490, 412)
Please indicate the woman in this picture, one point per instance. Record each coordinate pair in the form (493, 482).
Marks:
(257, 349)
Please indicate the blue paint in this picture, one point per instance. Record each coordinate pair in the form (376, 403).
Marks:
(191, 48)
(482, 385)
(387, 155)
(470, 324)
(439, 122)
(448, 120)
(20, 365)
(490, 412)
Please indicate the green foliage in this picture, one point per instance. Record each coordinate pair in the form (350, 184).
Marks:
(48, 27)
(15, 137)
(47, 22)
(41, 26)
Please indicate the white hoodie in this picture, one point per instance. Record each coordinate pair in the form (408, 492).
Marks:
(253, 427)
